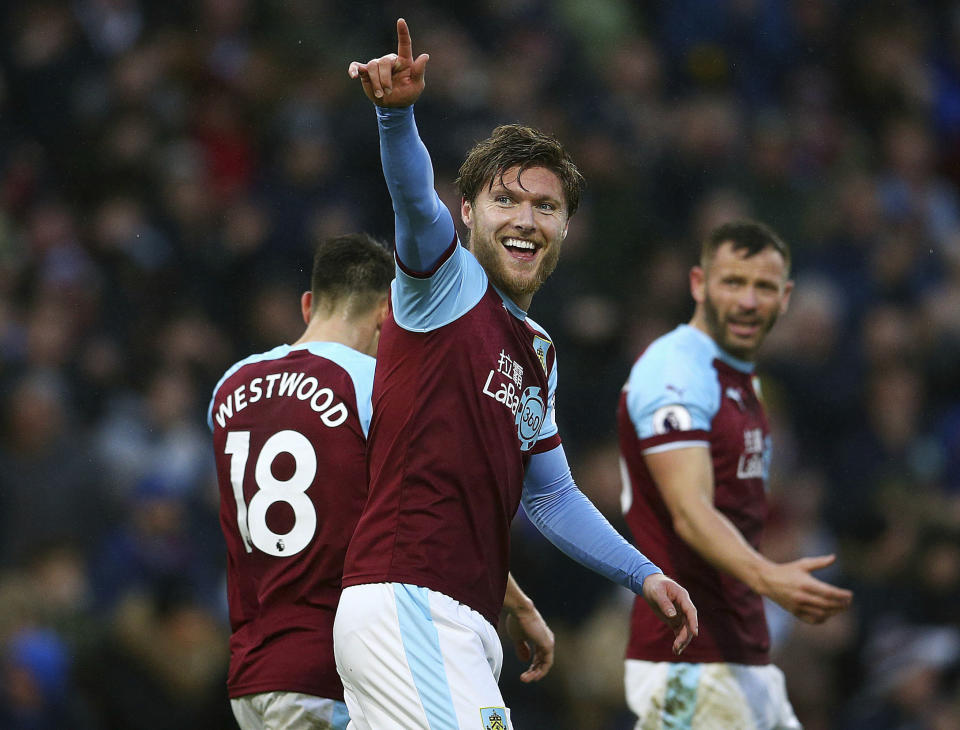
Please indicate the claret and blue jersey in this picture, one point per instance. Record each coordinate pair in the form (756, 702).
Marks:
(463, 395)
(683, 392)
(289, 433)
(458, 286)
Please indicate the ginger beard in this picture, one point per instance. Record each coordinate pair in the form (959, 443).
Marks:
(515, 284)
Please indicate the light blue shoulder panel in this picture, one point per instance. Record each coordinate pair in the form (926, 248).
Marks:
(675, 370)
(359, 367)
(422, 304)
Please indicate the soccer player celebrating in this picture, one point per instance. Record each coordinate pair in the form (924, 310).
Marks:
(695, 441)
(463, 428)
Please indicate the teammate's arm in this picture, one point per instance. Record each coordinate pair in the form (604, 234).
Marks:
(684, 477)
(532, 638)
(424, 227)
(570, 521)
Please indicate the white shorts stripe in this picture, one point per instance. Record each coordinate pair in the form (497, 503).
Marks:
(421, 644)
(673, 445)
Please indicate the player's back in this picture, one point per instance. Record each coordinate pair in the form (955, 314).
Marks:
(289, 432)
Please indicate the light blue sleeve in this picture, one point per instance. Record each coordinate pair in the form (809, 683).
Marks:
(424, 227)
(569, 520)
(359, 367)
(421, 304)
(672, 387)
(427, 293)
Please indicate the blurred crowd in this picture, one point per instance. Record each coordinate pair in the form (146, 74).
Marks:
(167, 166)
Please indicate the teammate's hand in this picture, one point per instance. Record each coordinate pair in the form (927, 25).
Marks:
(533, 641)
(396, 79)
(672, 605)
(808, 598)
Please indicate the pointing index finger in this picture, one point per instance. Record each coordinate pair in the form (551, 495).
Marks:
(404, 44)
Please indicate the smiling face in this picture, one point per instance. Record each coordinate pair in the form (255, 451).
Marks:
(517, 225)
(739, 297)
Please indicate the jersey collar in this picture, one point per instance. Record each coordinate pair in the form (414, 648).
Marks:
(742, 366)
(510, 305)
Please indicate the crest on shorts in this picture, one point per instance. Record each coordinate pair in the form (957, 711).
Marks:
(540, 346)
(494, 718)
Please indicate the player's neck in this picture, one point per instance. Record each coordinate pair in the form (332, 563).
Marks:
(355, 335)
(699, 322)
(523, 301)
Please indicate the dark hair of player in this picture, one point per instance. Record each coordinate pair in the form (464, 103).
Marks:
(511, 145)
(353, 270)
(744, 235)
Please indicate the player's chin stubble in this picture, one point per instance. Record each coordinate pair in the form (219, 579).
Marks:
(718, 330)
(488, 255)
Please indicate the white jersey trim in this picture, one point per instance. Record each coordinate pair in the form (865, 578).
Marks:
(674, 445)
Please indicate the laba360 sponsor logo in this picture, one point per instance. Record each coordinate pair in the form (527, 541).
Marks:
(529, 418)
(503, 384)
(507, 391)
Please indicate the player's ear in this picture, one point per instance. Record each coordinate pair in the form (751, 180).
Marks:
(466, 212)
(698, 284)
(785, 301)
(383, 308)
(306, 306)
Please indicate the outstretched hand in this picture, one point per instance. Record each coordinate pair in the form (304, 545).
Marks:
(806, 597)
(396, 79)
(672, 605)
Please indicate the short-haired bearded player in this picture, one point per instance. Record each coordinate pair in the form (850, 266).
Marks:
(289, 435)
(694, 437)
(463, 429)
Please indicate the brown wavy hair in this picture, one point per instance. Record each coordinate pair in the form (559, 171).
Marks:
(514, 145)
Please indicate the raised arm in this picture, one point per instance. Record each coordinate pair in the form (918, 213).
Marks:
(424, 227)
(685, 479)
(570, 521)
